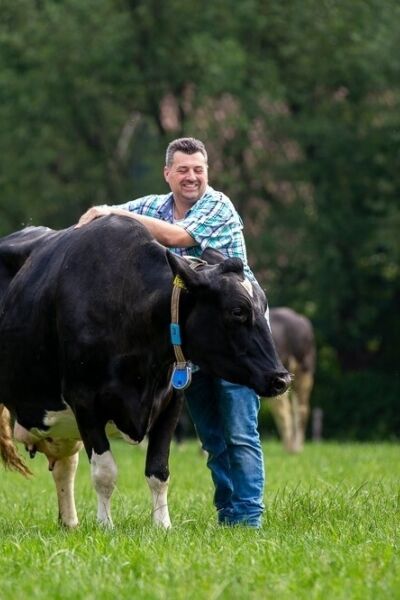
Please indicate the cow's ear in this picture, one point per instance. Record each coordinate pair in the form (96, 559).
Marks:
(232, 265)
(212, 256)
(181, 267)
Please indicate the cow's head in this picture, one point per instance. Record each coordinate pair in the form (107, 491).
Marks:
(225, 331)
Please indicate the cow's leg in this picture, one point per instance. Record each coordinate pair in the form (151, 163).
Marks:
(103, 467)
(157, 471)
(297, 439)
(104, 476)
(304, 384)
(282, 412)
(64, 477)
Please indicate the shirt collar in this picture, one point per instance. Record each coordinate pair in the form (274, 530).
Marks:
(166, 211)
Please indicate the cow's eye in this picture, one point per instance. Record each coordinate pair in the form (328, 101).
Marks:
(239, 314)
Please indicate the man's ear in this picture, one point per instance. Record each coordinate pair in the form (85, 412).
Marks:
(166, 173)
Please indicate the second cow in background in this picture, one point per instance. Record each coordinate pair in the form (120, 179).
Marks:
(294, 340)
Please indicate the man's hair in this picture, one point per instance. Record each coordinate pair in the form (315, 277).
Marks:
(187, 145)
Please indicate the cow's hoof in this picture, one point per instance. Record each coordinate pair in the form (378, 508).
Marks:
(105, 523)
(294, 448)
(164, 524)
(68, 523)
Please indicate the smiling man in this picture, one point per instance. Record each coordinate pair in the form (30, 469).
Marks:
(188, 220)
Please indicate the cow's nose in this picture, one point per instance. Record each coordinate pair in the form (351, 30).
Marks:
(280, 384)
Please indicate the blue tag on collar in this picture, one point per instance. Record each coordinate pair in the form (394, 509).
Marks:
(175, 332)
(181, 376)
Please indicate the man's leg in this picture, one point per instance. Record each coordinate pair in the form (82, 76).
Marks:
(203, 408)
(238, 407)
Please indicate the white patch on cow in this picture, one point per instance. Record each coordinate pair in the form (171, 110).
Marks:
(128, 439)
(267, 318)
(54, 448)
(159, 493)
(113, 431)
(23, 435)
(246, 283)
(64, 477)
(104, 476)
(61, 425)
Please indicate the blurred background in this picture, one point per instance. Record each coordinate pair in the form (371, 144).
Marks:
(298, 103)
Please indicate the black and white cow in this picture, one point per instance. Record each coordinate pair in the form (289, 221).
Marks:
(85, 346)
(293, 336)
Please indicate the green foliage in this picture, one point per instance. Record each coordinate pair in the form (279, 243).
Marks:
(362, 405)
(298, 103)
(62, 118)
(334, 206)
(356, 405)
(331, 531)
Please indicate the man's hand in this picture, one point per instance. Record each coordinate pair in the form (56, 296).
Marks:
(168, 234)
(93, 213)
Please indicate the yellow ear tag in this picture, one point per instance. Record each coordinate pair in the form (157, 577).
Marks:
(178, 282)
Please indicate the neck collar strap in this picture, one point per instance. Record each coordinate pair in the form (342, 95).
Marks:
(182, 369)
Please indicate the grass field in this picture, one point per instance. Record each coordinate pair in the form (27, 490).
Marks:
(331, 531)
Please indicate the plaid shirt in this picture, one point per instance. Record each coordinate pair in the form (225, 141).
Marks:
(212, 222)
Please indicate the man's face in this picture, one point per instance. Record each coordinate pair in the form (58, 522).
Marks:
(187, 176)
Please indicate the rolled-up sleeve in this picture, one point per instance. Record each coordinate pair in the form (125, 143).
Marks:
(214, 228)
(137, 206)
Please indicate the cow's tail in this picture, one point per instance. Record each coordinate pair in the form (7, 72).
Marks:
(8, 452)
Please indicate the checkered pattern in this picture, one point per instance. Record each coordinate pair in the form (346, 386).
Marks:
(212, 221)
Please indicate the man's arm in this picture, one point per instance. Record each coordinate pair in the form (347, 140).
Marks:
(169, 235)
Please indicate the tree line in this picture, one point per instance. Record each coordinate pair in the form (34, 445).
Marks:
(298, 103)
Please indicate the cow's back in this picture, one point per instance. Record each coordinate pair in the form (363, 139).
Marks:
(293, 335)
(15, 249)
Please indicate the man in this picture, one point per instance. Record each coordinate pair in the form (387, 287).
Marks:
(191, 218)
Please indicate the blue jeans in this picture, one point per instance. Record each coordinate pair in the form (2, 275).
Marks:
(225, 416)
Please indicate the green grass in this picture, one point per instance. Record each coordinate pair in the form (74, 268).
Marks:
(331, 531)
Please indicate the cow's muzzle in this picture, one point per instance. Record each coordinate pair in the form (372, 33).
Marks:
(279, 384)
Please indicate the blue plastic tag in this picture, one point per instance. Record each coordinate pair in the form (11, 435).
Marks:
(175, 332)
(181, 376)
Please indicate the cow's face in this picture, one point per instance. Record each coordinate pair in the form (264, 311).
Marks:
(225, 331)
